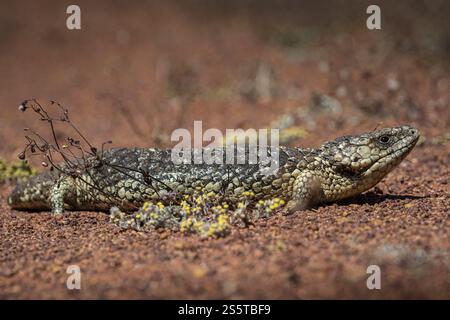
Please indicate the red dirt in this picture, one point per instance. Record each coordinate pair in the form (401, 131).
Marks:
(133, 74)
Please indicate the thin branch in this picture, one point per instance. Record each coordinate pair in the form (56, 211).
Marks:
(78, 161)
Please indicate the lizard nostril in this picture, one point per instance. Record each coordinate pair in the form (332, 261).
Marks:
(413, 131)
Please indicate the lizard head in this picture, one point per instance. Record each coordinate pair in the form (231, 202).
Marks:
(366, 158)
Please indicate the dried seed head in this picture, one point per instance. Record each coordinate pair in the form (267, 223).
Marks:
(44, 164)
(21, 156)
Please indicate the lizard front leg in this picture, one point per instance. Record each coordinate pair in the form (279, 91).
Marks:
(307, 191)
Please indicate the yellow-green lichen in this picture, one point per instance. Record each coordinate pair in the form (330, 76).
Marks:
(206, 215)
(15, 171)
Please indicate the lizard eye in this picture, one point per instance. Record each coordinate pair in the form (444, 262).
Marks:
(384, 139)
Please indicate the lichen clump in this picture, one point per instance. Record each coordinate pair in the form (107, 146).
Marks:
(206, 215)
(15, 171)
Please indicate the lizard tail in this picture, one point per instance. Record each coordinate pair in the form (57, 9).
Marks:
(33, 194)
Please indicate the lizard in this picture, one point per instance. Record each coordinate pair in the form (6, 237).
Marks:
(127, 177)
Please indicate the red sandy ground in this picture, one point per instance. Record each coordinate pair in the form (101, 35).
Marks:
(133, 74)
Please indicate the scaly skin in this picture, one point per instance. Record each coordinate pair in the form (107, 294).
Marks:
(338, 169)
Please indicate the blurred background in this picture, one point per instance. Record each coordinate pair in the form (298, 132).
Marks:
(137, 70)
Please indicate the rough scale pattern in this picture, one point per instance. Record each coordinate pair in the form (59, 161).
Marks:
(338, 169)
